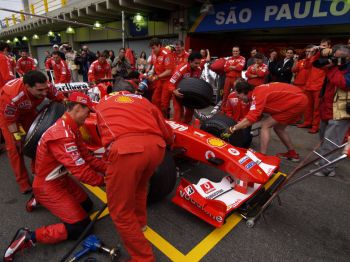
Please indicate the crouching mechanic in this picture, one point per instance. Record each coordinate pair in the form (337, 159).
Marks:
(61, 150)
(185, 70)
(18, 101)
(135, 135)
(283, 102)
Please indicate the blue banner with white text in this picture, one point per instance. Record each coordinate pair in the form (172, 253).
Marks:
(258, 14)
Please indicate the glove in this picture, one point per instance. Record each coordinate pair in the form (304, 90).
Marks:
(226, 134)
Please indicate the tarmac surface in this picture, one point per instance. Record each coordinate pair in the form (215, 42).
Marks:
(311, 225)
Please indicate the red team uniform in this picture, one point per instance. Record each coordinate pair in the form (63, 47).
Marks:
(232, 74)
(135, 133)
(17, 106)
(99, 71)
(6, 71)
(181, 113)
(61, 150)
(161, 94)
(284, 102)
(61, 72)
(260, 70)
(25, 65)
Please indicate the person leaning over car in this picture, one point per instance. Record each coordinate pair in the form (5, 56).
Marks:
(283, 102)
(62, 150)
(18, 101)
(184, 70)
(135, 135)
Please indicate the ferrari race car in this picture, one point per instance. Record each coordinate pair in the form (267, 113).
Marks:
(245, 171)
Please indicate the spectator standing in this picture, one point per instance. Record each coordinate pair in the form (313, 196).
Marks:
(257, 73)
(111, 55)
(56, 48)
(205, 57)
(72, 66)
(335, 120)
(272, 66)
(47, 55)
(121, 66)
(284, 68)
(142, 63)
(251, 60)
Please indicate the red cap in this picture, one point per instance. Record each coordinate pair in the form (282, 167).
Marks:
(81, 98)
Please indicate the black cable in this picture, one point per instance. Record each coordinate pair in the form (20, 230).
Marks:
(83, 234)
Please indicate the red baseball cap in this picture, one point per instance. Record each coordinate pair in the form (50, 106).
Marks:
(81, 98)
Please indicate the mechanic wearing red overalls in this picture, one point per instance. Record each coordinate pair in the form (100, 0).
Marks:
(62, 150)
(313, 88)
(257, 72)
(60, 69)
(283, 102)
(25, 64)
(233, 68)
(184, 70)
(135, 135)
(6, 73)
(163, 62)
(100, 68)
(18, 101)
(181, 56)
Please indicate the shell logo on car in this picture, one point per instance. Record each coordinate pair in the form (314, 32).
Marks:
(124, 100)
(216, 142)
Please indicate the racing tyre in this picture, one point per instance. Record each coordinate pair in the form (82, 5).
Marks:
(163, 180)
(46, 118)
(219, 123)
(197, 93)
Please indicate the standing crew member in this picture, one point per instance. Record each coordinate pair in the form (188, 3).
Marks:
(185, 70)
(60, 69)
(284, 102)
(100, 68)
(61, 150)
(162, 60)
(25, 64)
(18, 101)
(181, 56)
(233, 69)
(6, 74)
(136, 135)
(257, 72)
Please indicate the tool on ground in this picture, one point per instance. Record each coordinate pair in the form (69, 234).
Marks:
(93, 244)
(85, 232)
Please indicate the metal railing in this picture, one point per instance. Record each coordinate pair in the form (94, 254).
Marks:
(38, 8)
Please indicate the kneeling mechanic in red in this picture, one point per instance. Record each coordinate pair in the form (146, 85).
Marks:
(61, 150)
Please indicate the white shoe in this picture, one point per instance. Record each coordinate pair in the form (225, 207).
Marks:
(325, 173)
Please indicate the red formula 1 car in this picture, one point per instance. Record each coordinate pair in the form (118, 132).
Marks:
(246, 171)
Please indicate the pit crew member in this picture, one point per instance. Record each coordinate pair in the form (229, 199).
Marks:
(283, 102)
(18, 101)
(163, 62)
(233, 68)
(257, 72)
(181, 56)
(61, 150)
(135, 135)
(60, 69)
(100, 68)
(6, 73)
(25, 64)
(184, 70)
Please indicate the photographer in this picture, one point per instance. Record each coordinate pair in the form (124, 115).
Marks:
(334, 102)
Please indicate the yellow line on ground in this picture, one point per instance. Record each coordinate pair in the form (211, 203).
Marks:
(163, 245)
(98, 192)
(209, 242)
